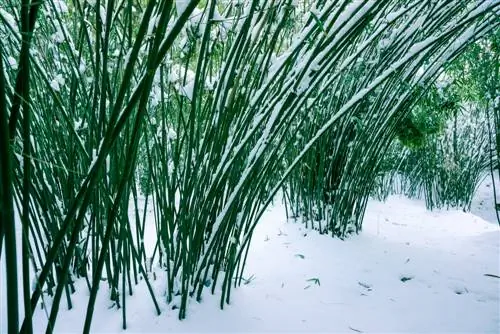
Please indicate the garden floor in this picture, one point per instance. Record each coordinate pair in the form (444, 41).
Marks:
(410, 270)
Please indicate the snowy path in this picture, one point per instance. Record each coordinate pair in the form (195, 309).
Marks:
(442, 259)
(409, 271)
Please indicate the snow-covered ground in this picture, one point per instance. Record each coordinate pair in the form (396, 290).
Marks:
(483, 200)
(409, 271)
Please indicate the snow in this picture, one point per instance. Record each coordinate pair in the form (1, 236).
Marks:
(210, 83)
(57, 82)
(153, 23)
(8, 18)
(82, 67)
(12, 62)
(102, 14)
(178, 72)
(187, 90)
(410, 270)
(58, 37)
(484, 201)
(181, 6)
(54, 84)
(61, 6)
(393, 16)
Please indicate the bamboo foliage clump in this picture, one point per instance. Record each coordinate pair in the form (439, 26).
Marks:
(209, 110)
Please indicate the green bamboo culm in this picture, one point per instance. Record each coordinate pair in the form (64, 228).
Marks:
(7, 229)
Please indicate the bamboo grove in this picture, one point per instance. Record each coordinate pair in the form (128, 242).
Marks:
(201, 111)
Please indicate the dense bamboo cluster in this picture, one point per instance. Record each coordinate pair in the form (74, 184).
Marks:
(447, 144)
(331, 188)
(200, 112)
(449, 176)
